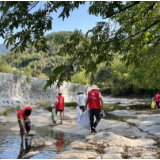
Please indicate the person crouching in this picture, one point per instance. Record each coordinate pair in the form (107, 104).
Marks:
(24, 121)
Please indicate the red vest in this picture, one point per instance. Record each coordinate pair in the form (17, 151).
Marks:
(93, 99)
(60, 104)
(156, 97)
(22, 112)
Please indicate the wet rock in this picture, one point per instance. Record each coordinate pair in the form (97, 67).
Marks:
(30, 154)
(123, 113)
(32, 132)
(39, 140)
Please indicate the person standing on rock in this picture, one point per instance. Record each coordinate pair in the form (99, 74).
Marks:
(157, 99)
(60, 105)
(24, 121)
(81, 99)
(95, 103)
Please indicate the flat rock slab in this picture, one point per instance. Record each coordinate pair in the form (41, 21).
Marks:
(123, 113)
(116, 140)
(76, 154)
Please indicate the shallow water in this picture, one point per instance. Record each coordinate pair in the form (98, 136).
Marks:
(12, 148)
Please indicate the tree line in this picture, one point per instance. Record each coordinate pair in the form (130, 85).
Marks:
(116, 79)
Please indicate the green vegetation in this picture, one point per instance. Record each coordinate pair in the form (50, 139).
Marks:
(72, 105)
(11, 110)
(4, 67)
(116, 79)
(113, 117)
(130, 29)
(45, 104)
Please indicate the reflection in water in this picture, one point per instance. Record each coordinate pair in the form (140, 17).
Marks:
(12, 148)
(23, 151)
(60, 141)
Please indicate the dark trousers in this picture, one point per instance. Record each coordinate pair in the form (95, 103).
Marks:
(82, 108)
(27, 124)
(96, 113)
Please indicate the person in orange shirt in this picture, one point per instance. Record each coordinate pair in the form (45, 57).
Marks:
(24, 121)
(60, 105)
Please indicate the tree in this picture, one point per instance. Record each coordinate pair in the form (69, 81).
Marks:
(129, 29)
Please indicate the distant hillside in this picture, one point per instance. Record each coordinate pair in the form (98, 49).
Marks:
(3, 49)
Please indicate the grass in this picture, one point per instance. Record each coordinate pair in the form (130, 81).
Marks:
(45, 104)
(113, 117)
(117, 107)
(131, 107)
(72, 105)
(11, 110)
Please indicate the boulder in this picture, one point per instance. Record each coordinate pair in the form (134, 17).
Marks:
(39, 140)
(30, 154)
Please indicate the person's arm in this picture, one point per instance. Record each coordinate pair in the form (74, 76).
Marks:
(22, 124)
(77, 100)
(102, 104)
(86, 103)
(55, 103)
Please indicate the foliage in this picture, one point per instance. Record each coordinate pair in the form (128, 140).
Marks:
(80, 78)
(28, 79)
(17, 75)
(71, 104)
(10, 110)
(34, 63)
(45, 104)
(4, 67)
(129, 29)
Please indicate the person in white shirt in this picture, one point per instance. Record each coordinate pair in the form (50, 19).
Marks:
(81, 99)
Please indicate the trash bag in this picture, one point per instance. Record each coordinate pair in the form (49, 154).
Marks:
(153, 105)
(53, 115)
(79, 112)
(84, 120)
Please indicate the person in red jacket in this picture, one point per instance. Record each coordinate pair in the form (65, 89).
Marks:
(60, 105)
(157, 99)
(95, 103)
(24, 121)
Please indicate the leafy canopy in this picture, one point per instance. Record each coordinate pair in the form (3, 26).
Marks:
(129, 29)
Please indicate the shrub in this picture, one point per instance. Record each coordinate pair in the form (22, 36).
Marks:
(71, 104)
(9, 110)
(45, 104)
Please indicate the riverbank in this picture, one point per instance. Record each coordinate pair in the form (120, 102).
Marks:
(135, 138)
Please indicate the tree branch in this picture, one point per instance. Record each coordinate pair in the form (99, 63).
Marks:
(33, 6)
(122, 10)
(144, 30)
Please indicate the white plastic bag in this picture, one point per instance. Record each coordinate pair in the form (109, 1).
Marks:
(79, 112)
(84, 120)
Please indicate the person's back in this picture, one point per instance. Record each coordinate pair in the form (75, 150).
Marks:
(95, 103)
(60, 105)
(157, 99)
(81, 100)
(93, 99)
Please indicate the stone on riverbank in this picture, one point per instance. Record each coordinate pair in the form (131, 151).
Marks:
(76, 154)
(30, 154)
(39, 140)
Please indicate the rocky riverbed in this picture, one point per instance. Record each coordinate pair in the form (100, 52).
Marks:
(136, 138)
